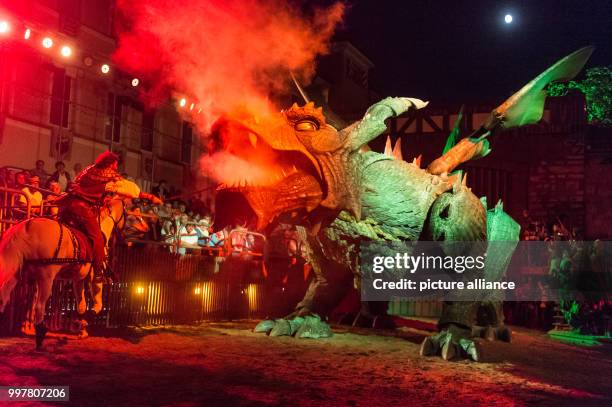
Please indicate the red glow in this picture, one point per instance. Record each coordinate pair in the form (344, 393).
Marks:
(224, 54)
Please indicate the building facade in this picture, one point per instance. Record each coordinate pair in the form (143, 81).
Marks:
(61, 98)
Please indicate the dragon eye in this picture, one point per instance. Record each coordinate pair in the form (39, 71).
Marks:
(306, 125)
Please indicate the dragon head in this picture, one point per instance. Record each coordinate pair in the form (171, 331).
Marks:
(284, 165)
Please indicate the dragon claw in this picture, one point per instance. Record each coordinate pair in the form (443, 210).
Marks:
(310, 326)
(450, 344)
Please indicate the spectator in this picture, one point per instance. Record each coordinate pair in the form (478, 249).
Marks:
(165, 211)
(168, 234)
(33, 194)
(60, 176)
(203, 229)
(40, 172)
(161, 190)
(188, 237)
(51, 208)
(135, 226)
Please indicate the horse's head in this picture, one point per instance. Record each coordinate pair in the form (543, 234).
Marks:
(113, 214)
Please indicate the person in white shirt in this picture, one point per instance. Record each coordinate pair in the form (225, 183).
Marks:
(60, 176)
(34, 196)
(188, 237)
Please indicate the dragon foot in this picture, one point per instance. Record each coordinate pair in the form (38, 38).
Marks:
(309, 326)
(452, 343)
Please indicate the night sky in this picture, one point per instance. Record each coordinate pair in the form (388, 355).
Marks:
(462, 51)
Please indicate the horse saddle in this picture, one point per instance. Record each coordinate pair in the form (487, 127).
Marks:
(83, 247)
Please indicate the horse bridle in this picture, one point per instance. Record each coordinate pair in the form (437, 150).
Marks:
(116, 222)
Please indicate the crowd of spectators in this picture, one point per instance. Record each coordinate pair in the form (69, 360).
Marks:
(38, 187)
(184, 222)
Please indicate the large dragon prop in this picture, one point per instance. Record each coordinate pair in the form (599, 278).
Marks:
(340, 194)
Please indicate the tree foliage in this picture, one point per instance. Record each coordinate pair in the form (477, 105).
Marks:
(597, 89)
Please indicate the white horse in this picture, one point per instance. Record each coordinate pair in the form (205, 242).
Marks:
(41, 248)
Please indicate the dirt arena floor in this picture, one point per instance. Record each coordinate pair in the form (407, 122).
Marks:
(225, 364)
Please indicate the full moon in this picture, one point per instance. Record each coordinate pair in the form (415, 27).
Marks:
(508, 18)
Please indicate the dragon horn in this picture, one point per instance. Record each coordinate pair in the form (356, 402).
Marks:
(527, 105)
(388, 150)
(299, 88)
(397, 149)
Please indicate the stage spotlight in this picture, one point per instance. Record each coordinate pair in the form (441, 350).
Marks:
(140, 289)
(66, 51)
(508, 18)
(5, 27)
(135, 82)
(182, 102)
(47, 42)
(27, 34)
(191, 106)
(106, 69)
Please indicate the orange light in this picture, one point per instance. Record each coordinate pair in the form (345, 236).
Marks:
(182, 102)
(105, 69)
(140, 290)
(66, 51)
(4, 27)
(197, 291)
(27, 34)
(47, 42)
(191, 106)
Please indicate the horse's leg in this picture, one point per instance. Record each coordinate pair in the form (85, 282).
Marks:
(79, 294)
(28, 325)
(44, 282)
(96, 293)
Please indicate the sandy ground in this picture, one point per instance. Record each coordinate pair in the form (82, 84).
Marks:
(226, 364)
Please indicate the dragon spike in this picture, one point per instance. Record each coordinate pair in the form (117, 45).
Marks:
(310, 105)
(397, 149)
(483, 201)
(418, 160)
(499, 207)
(295, 106)
(464, 180)
(458, 184)
(388, 150)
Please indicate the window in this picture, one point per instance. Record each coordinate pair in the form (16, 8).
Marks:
(60, 98)
(186, 142)
(113, 117)
(148, 130)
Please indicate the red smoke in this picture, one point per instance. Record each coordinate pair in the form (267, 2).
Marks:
(222, 54)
